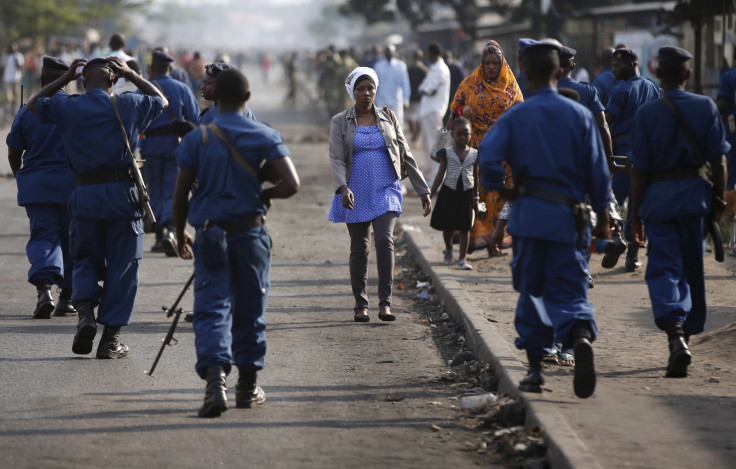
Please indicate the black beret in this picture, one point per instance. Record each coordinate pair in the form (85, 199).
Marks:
(541, 46)
(673, 54)
(54, 63)
(567, 53)
(625, 54)
(161, 56)
(212, 70)
(96, 63)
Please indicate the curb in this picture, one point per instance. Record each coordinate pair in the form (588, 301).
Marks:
(564, 449)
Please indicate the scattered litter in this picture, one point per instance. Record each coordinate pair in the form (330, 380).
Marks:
(434, 403)
(422, 284)
(423, 295)
(436, 428)
(478, 403)
(714, 379)
(445, 317)
(390, 398)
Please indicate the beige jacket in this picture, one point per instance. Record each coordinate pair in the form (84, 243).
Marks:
(342, 134)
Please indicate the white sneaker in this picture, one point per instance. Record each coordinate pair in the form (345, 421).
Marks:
(464, 265)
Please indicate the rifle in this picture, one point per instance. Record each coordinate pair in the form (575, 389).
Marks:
(176, 312)
(135, 171)
(21, 97)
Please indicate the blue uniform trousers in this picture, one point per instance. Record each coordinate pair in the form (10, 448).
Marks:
(675, 274)
(48, 247)
(621, 185)
(160, 172)
(731, 162)
(107, 251)
(552, 279)
(230, 302)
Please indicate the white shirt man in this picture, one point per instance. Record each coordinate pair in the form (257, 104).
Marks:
(435, 91)
(394, 89)
(12, 64)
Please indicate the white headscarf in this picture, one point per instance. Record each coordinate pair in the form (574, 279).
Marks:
(357, 73)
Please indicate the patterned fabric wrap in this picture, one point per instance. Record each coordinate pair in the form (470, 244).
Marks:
(489, 100)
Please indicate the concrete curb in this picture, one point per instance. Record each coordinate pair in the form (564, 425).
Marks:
(564, 449)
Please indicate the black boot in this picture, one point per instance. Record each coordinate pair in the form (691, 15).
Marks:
(64, 305)
(86, 330)
(680, 357)
(614, 249)
(247, 393)
(584, 379)
(45, 303)
(110, 346)
(632, 258)
(168, 241)
(533, 380)
(215, 395)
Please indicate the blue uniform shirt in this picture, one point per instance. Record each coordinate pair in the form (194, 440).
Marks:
(182, 104)
(523, 84)
(588, 94)
(211, 114)
(226, 192)
(45, 177)
(553, 143)
(604, 83)
(93, 143)
(623, 104)
(728, 91)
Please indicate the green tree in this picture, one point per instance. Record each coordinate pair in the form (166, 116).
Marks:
(44, 18)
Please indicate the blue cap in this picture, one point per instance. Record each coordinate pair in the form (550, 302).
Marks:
(525, 42)
(54, 63)
(625, 54)
(541, 46)
(673, 54)
(567, 53)
(161, 56)
(212, 70)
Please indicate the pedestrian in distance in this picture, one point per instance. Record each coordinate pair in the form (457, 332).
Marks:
(45, 183)
(676, 141)
(229, 159)
(105, 232)
(552, 173)
(458, 199)
(369, 156)
(435, 93)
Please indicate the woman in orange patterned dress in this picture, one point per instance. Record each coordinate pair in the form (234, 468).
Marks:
(482, 97)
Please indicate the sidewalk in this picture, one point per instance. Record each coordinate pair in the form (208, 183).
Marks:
(636, 418)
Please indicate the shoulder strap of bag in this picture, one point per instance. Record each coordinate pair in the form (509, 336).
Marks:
(233, 152)
(685, 130)
(114, 101)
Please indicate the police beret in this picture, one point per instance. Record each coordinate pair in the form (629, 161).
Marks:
(567, 53)
(212, 70)
(525, 42)
(161, 56)
(96, 63)
(625, 54)
(541, 46)
(54, 63)
(673, 54)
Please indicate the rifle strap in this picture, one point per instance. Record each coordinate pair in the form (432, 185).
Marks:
(233, 151)
(114, 101)
(685, 131)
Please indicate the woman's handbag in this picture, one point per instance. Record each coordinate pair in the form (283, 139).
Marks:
(442, 140)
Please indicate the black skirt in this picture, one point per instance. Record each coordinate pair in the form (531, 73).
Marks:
(454, 209)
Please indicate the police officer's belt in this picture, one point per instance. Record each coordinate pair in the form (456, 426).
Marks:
(244, 224)
(678, 173)
(102, 178)
(548, 195)
(161, 131)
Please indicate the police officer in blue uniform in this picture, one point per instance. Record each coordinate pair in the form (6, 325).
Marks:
(105, 233)
(45, 183)
(726, 101)
(605, 81)
(159, 145)
(232, 247)
(208, 92)
(625, 100)
(670, 196)
(553, 173)
(521, 80)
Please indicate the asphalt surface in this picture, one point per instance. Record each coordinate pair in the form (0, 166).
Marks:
(329, 381)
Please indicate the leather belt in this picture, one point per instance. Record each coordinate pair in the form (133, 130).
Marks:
(548, 195)
(677, 173)
(244, 224)
(102, 178)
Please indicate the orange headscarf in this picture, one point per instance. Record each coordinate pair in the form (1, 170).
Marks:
(488, 99)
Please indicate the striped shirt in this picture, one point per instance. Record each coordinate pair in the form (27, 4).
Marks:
(457, 168)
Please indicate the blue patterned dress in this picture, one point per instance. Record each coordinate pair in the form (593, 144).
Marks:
(373, 180)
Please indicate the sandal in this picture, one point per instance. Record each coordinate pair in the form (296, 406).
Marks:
(566, 358)
(448, 257)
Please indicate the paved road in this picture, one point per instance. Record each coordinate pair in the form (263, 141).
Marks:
(327, 379)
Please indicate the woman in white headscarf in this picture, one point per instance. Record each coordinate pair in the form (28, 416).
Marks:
(369, 156)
